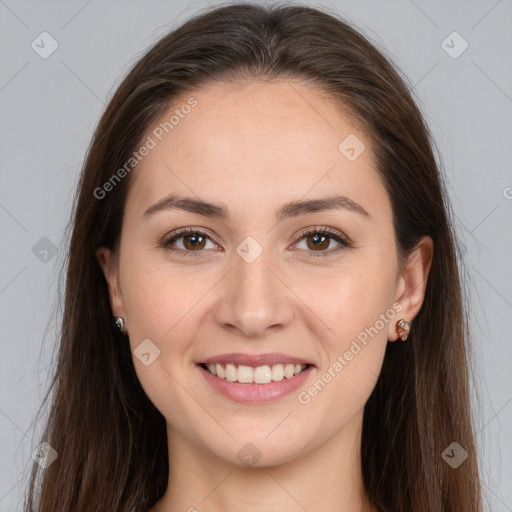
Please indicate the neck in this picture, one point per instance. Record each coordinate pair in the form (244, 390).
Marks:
(328, 478)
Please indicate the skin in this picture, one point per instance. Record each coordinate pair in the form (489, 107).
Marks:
(254, 148)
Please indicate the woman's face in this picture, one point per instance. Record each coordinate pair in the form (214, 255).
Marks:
(251, 284)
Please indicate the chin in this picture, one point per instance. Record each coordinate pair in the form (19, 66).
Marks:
(259, 450)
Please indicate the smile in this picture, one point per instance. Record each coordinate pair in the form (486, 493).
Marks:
(254, 385)
(259, 375)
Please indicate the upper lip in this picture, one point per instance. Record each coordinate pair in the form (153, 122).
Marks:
(255, 359)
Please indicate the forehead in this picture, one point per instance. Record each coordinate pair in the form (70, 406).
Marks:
(254, 143)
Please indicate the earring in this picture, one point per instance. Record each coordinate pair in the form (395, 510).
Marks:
(402, 329)
(120, 324)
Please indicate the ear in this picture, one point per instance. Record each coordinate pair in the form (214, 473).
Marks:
(109, 265)
(412, 283)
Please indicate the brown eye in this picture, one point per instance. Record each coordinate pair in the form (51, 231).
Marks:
(194, 241)
(318, 241)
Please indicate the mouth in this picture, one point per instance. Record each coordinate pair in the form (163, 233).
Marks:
(255, 379)
(264, 374)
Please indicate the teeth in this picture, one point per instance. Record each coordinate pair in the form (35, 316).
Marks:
(245, 374)
(262, 374)
(231, 373)
(277, 372)
(289, 371)
(219, 371)
(259, 375)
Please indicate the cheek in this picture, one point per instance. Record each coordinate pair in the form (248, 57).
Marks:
(353, 307)
(356, 306)
(158, 296)
(159, 301)
(350, 298)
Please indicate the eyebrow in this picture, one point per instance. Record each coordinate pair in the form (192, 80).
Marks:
(288, 210)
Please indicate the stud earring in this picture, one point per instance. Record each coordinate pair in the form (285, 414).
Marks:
(402, 329)
(120, 324)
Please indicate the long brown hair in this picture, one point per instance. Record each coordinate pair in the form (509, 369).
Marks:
(110, 439)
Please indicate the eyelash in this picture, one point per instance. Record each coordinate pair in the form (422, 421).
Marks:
(324, 230)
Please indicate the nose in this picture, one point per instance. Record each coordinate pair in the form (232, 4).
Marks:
(254, 299)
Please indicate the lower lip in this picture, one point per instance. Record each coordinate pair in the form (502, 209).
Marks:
(255, 393)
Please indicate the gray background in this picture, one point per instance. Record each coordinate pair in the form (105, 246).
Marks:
(50, 107)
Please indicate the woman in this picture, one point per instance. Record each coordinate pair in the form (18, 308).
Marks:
(263, 306)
